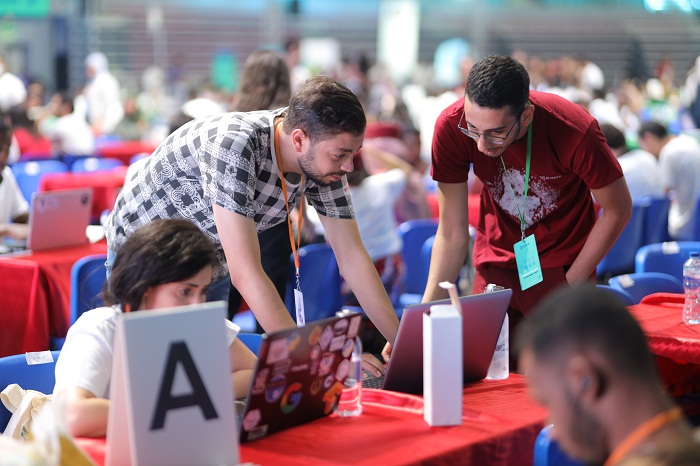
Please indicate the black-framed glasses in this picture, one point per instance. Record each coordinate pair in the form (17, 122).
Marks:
(490, 138)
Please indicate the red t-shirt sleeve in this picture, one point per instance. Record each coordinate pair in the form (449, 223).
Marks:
(450, 156)
(594, 162)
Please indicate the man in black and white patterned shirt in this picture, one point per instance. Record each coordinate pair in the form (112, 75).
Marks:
(222, 173)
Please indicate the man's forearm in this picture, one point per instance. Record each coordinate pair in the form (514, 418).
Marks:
(446, 261)
(367, 286)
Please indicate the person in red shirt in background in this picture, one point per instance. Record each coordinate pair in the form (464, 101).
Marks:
(540, 157)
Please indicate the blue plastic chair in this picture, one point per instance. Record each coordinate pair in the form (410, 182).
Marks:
(620, 258)
(412, 298)
(320, 282)
(655, 228)
(548, 453)
(665, 257)
(639, 285)
(620, 294)
(251, 340)
(95, 164)
(28, 174)
(414, 234)
(87, 280)
(39, 377)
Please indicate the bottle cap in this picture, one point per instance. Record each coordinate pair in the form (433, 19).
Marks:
(695, 254)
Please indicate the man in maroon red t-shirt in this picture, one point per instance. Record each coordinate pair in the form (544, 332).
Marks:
(569, 160)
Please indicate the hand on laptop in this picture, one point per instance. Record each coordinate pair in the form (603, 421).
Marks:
(14, 230)
(386, 352)
(372, 365)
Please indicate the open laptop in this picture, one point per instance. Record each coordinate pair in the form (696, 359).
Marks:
(482, 319)
(299, 375)
(56, 219)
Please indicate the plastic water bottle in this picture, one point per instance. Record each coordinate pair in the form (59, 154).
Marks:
(350, 403)
(691, 283)
(498, 370)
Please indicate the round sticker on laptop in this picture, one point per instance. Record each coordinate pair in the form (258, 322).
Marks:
(275, 388)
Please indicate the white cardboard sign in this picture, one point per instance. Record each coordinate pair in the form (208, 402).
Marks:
(171, 396)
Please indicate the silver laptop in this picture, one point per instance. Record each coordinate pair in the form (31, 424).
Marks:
(59, 218)
(482, 318)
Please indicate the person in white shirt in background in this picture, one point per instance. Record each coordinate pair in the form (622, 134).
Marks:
(69, 132)
(639, 166)
(14, 209)
(373, 199)
(12, 89)
(101, 100)
(679, 167)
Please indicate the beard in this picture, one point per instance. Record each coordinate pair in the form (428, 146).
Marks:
(310, 169)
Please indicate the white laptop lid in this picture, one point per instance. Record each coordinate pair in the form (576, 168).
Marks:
(59, 218)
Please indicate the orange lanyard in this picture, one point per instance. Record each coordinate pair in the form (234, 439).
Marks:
(642, 432)
(295, 244)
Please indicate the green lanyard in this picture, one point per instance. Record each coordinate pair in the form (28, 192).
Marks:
(521, 213)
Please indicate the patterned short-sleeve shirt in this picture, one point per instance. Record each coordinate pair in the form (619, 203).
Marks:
(228, 160)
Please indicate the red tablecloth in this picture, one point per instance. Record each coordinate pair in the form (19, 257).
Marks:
(50, 287)
(105, 186)
(24, 320)
(500, 424)
(676, 345)
(124, 150)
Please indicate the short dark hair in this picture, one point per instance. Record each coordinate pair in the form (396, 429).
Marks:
(614, 137)
(653, 127)
(162, 251)
(498, 81)
(5, 129)
(585, 318)
(323, 108)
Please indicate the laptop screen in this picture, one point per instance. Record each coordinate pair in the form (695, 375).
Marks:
(482, 318)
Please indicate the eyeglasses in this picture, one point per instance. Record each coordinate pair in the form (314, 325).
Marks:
(491, 139)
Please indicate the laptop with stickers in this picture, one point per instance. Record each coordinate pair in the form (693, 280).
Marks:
(482, 318)
(299, 376)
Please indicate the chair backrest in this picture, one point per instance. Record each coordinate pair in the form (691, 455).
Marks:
(39, 377)
(320, 282)
(620, 258)
(655, 229)
(95, 164)
(251, 340)
(548, 453)
(88, 276)
(414, 233)
(29, 174)
(622, 295)
(639, 285)
(665, 257)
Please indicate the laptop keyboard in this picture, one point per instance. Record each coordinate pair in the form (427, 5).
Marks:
(373, 382)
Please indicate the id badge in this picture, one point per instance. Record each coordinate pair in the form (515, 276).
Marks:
(528, 262)
(299, 307)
